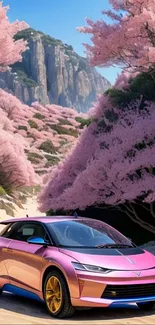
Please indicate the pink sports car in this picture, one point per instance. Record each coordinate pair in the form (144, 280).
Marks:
(71, 262)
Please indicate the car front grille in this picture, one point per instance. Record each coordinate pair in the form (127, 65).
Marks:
(129, 291)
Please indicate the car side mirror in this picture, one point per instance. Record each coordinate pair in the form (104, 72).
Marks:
(37, 241)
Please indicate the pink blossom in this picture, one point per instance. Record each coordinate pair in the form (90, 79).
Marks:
(128, 41)
(106, 171)
(16, 170)
(11, 50)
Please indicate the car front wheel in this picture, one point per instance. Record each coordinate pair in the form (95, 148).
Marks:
(56, 296)
(146, 306)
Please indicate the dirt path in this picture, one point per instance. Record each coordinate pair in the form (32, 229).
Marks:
(30, 208)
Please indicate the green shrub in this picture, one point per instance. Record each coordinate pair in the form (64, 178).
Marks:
(120, 98)
(51, 161)
(69, 47)
(2, 191)
(61, 130)
(34, 157)
(51, 40)
(22, 127)
(64, 121)
(22, 76)
(48, 146)
(39, 116)
(143, 85)
(83, 122)
(5, 185)
(27, 81)
(33, 124)
(25, 34)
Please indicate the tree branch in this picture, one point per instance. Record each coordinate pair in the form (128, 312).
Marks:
(152, 209)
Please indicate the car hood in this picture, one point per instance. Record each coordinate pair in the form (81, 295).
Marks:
(122, 259)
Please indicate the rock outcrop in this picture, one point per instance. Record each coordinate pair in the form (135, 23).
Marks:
(51, 72)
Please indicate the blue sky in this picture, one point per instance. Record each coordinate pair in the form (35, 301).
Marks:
(59, 18)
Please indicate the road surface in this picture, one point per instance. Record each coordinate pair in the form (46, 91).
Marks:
(17, 310)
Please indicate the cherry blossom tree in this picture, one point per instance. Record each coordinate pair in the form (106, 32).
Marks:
(112, 165)
(15, 169)
(127, 40)
(13, 108)
(10, 50)
(24, 129)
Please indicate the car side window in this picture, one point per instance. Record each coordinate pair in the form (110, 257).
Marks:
(8, 231)
(29, 229)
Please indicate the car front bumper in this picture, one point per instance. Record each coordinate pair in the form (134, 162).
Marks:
(136, 289)
(98, 302)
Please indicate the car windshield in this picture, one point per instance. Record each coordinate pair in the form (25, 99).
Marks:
(87, 234)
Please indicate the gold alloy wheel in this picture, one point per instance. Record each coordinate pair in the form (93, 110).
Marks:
(53, 294)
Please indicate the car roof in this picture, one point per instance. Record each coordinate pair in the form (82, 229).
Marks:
(41, 219)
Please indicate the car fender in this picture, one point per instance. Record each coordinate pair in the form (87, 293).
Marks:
(64, 264)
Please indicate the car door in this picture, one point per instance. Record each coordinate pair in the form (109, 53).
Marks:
(26, 262)
(4, 255)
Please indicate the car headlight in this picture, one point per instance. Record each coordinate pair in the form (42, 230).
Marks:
(89, 268)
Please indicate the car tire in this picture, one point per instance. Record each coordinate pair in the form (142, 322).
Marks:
(59, 305)
(146, 306)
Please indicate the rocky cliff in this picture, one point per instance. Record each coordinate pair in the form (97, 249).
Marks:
(51, 72)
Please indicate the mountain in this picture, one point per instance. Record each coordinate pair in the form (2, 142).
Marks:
(51, 72)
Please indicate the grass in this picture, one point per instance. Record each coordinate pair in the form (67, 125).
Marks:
(48, 146)
(2, 191)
